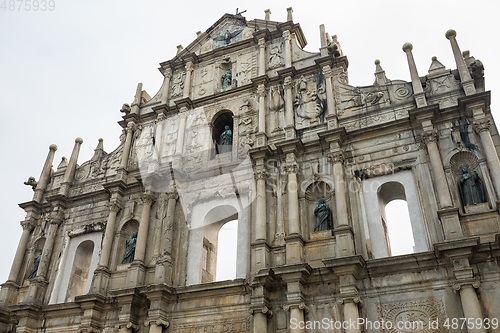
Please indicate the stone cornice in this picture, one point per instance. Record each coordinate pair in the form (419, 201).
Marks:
(467, 103)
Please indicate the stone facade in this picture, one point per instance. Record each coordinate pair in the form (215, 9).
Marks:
(298, 132)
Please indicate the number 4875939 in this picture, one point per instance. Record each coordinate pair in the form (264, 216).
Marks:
(27, 5)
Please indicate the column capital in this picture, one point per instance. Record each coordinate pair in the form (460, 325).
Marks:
(167, 72)
(261, 309)
(474, 283)
(287, 82)
(172, 195)
(189, 66)
(327, 72)
(336, 157)
(429, 136)
(286, 34)
(157, 321)
(160, 117)
(262, 43)
(115, 206)
(131, 127)
(481, 125)
(28, 224)
(148, 199)
(261, 90)
(352, 299)
(291, 167)
(261, 174)
(300, 306)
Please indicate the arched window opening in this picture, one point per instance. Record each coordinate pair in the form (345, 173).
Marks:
(399, 228)
(394, 213)
(80, 271)
(222, 133)
(226, 251)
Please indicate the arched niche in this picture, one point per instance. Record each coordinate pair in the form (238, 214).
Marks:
(33, 252)
(219, 122)
(208, 218)
(472, 162)
(76, 267)
(126, 231)
(312, 194)
(377, 193)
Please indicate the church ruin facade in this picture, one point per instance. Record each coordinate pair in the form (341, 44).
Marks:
(248, 127)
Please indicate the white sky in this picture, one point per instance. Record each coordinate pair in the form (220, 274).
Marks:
(66, 73)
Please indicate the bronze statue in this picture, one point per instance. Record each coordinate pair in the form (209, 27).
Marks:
(323, 216)
(36, 263)
(130, 244)
(226, 79)
(226, 140)
(471, 188)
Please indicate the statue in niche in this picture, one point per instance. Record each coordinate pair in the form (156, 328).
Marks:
(130, 244)
(226, 140)
(36, 263)
(323, 216)
(276, 57)
(226, 79)
(471, 188)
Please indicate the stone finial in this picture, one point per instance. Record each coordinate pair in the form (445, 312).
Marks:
(79, 140)
(289, 16)
(380, 78)
(53, 147)
(419, 94)
(450, 33)
(198, 33)
(268, 14)
(179, 48)
(63, 164)
(436, 67)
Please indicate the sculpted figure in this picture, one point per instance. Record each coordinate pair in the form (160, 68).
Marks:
(128, 256)
(471, 188)
(226, 79)
(226, 140)
(323, 216)
(36, 263)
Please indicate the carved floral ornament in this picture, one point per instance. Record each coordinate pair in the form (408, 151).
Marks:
(336, 157)
(424, 311)
(429, 136)
(482, 125)
(291, 167)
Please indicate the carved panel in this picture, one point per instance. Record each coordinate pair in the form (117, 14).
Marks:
(415, 312)
(177, 84)
(237, 325)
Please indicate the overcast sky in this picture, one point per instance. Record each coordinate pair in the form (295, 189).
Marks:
(66, 73)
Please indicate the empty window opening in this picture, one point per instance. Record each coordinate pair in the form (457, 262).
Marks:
(226, 251)
(80, 271)
(399, 232)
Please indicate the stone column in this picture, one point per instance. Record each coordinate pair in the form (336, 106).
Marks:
(21, 250)
(418, 91)
(330, 104)
(70, 169)
(465, 78)
(187, 81)
(166, 85)
(172, 200)
(430, 139)
(44, 177)
(296, 316)
(262, 56)
(337, 159)
(163, 251)
(260, 316)
(114, 208)
(142, 234)
(126, 148)
(159, 135)
(471, 306)
(261, 216)
(293, 198)
(180, 133)
(288, 48)
(261, 90)
(351, 314)
(289, 117)
(482, 127)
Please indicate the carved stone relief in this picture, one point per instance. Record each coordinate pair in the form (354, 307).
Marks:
(236, 325)
(276, 56)
(244, 69)
(204, 77)
(177, 84)
(415, 312)
(310, 101)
